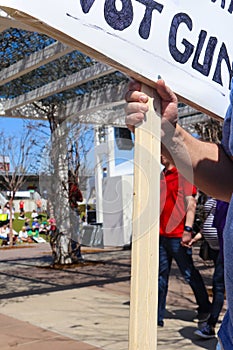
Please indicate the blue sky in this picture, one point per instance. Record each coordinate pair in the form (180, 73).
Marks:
(11, 125)
(15, 126)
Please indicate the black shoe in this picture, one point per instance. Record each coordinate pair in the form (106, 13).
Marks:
(160, 323)
(206, 332)
(201, 317)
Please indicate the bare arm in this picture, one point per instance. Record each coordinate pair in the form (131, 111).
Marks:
(195, 239)
(189, 219)
(204, 164)
(191, 209)
(208, 164)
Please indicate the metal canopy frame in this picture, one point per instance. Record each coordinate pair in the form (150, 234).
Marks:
(103, 105)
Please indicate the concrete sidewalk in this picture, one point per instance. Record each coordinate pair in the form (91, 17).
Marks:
(85, 307)
(16, 334)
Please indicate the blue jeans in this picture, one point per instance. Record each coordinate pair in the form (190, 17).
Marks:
(219, 346)
(218, 287)
(170, 248)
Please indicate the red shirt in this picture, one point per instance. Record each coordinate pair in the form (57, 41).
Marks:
(174, 188)
(75, 195)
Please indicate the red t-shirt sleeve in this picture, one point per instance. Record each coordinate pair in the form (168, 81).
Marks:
(188, 188)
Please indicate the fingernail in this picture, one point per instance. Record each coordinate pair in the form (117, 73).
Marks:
(143, 98)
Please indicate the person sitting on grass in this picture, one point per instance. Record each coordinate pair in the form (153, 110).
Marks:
(35, 222)
(22, 216)
(23, 236)
(4, 234)
(34, 214)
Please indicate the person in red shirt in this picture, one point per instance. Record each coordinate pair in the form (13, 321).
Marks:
(21, 206)
(177, 212)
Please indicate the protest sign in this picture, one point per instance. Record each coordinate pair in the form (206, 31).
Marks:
(188, 43)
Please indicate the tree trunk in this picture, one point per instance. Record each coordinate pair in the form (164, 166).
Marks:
(11, 236)
(64, 242)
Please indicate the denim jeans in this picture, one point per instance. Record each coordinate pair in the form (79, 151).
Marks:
(218, 287)
(219, 346)
(170, 248)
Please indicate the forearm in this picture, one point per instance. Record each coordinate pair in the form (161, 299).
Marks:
(190, 211)
(189, 219)
(196, 238)
(202, 163)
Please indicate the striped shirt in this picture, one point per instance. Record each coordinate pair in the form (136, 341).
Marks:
(208, 231)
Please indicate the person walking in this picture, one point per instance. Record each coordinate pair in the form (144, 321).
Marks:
(38, 205)
(211, 236)
(178, 205)
(21, 206)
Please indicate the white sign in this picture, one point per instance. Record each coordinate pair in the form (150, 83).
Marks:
(187, 43)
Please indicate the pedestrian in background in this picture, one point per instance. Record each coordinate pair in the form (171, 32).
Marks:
(178, 205)
(210, 234)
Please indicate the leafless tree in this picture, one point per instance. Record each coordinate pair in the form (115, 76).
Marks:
(64, 158)
(17, 157)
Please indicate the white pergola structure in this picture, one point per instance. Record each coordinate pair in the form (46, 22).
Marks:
(88, 106)
(102, 106)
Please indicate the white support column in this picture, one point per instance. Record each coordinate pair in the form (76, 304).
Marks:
(110, 150)
(100, 151)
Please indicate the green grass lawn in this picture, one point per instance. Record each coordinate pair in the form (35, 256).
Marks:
(18, 224)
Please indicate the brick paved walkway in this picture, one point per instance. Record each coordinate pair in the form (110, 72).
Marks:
(84, 307)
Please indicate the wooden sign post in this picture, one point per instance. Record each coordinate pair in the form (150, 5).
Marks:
(146, 210)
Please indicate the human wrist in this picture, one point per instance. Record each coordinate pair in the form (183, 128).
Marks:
(188, 228)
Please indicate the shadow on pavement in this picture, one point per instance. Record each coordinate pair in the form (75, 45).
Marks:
(29, 276)
(188, 333)
(182, 314)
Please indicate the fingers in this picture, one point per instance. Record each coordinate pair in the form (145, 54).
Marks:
(186, 245)
(137, 103)
(134, 85)
(136, 107)
(134, 93)
(136, 96)
(186, 238)
(130, 127)
(165, 92)
(134, 119)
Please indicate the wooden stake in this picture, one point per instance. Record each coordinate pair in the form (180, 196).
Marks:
(146, 212)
